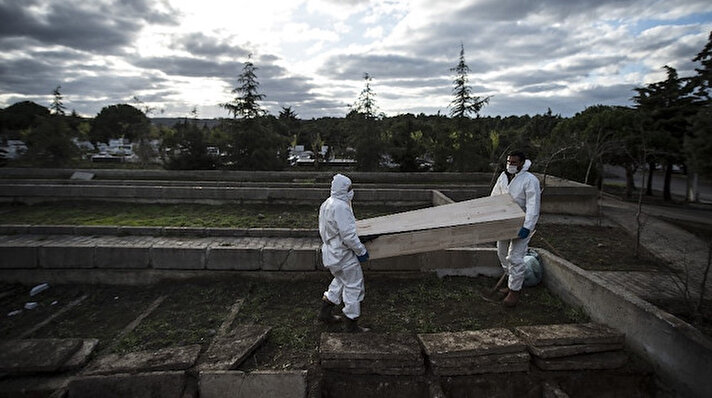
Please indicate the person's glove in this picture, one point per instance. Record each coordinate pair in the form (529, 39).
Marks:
(523, 233)
(363, 258)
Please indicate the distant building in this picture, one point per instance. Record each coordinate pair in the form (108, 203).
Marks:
(14, 149)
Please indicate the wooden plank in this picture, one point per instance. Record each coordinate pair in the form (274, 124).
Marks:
(436, 228)
(490, 208)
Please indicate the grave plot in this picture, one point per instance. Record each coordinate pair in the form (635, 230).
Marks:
(192, 313)
(393, 305)
(102, 315)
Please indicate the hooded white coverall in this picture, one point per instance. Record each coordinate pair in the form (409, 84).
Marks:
(524, 189)
(341, 245)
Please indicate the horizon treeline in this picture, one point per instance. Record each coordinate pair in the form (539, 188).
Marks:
(669, 125)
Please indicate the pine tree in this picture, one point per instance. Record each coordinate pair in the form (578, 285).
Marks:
(464, 103)
(703, 79)
(245, 104)
(57, 106)
(366, 102)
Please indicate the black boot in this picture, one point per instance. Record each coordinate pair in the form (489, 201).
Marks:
(351, 326)
(325, 314)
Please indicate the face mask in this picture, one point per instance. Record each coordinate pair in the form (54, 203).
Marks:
(350, 195)
(512, 169)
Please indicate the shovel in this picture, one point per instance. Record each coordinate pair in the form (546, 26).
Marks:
(489, 295)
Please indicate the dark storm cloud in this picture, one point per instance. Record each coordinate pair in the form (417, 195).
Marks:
(516, 10)
(200, 44)
(353, 66)
(190, 67)
(28, 75)
(505, 104)
(539, 88)
(98, 27)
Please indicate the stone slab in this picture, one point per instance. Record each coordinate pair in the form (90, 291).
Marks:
(18, 257)
(480, 360)
(82, 176)
(96, 230)
(404, 371)
(81, 357)
(557, 351)
(67, 255)
(184, 231)
(36, 355)
(369, 346)
(172, 358)
(141, 385)
(288, 259)
(596, 361)
(234, 258)
(474, 370)
(122, 257)
(33, 386)
(569, 334)
(229, 351)
(178, 257)
(258, 384)
(470, 343)
(368, 363)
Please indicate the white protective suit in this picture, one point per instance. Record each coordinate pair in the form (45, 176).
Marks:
(524, 189)
(341, 245)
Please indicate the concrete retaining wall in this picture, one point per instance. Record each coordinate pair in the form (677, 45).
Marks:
(681, 354)
(27, 260)
(260, 176)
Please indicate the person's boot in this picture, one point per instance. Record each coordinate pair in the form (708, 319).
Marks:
(351, 326)
(503, 292)
(512, 298)
(326, 315)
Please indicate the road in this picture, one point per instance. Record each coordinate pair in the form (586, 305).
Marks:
(678, 182)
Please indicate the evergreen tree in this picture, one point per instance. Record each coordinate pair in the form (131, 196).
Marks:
(698, 144)
(666, 107)
(245, 104)
(702, 82)
(50, 143)
(57, 107)
(464, 102)
(364, 129)
(366, 102)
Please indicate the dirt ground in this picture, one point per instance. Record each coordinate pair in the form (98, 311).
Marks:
(194, 310)
(595, 248)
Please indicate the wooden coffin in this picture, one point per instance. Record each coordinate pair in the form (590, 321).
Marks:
(458, 224)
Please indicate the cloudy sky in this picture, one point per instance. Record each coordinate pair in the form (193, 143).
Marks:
(176, 55)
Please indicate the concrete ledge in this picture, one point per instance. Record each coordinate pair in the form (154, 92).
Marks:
(71, 254)
(462, 258)
(96, 230)
(141, 385)
(21, 257)
(122, 256)
(115, 230)
(288, 259)
(258, 384)
(234, 258)
(681, 353)
(177, 257)
(14, 229)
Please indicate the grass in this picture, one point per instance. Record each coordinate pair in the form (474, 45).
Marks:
(172, 215)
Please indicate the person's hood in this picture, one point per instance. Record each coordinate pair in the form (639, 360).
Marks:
(340, 187)
(527, 165)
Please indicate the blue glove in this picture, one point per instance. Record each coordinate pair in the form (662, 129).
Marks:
(363, 258)
(523, 233)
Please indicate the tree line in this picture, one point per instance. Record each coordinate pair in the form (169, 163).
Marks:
(668, 126)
